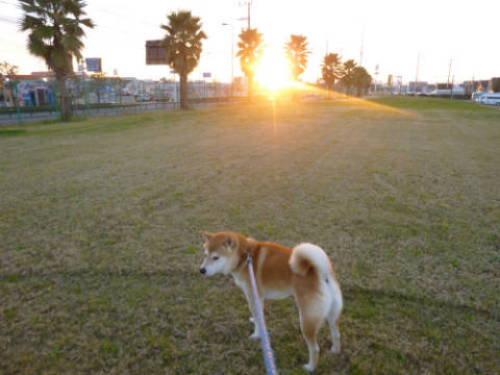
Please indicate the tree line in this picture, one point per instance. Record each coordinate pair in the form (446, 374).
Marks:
(56, 29)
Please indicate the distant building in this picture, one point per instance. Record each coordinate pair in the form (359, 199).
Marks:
(494, 84)
(448, 89)
(471, 87)
(417, 88)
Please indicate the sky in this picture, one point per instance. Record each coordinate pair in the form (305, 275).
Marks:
(396, 35)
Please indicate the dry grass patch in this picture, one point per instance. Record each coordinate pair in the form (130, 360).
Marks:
(99, 225)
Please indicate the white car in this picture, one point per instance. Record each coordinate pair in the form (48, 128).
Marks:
(491, 99)
(476, 96)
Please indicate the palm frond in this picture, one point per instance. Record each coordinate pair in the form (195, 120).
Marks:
(55, 30)
(183, 41)
(297, 52)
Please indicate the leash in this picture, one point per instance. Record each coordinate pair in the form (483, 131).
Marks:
(265, 342)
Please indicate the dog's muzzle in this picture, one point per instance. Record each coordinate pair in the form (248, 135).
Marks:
(203, 270)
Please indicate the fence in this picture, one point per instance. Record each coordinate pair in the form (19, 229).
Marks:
(34, 100)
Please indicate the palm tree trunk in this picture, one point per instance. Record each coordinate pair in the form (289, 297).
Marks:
(250, 88)
(183, 82)
(64, 100)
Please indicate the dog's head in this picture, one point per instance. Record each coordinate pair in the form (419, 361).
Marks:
(221, 253)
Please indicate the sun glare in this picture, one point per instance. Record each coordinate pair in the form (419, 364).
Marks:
(273, 72)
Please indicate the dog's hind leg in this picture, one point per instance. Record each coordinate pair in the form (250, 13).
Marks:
(333, 322)
(310, 326)
(312, 314)
(333, 318)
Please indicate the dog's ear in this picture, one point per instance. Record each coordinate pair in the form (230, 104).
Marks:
(229, 243)
(205, 235)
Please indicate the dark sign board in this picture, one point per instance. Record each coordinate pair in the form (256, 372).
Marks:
(94, 65)
(155, 53)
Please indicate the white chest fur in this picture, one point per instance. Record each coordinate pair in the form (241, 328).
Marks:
(242, 284)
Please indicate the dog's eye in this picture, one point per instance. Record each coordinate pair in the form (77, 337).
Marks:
(215, 257)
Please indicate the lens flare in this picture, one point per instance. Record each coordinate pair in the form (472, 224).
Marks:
(273, 71)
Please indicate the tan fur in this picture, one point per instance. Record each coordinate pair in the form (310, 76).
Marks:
(317, 295)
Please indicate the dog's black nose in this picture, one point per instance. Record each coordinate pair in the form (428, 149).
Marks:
(203, 270)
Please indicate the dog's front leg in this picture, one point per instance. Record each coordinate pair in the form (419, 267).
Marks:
(251, 305)
(256, 332)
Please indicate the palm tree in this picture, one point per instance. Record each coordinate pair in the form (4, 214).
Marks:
(296, 51)
(183, 46)
(361, 80)
(331, 69)
(55, 35)
(251, 48)
(347, 78)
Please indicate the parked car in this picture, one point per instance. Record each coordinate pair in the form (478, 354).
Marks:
(477, 95)
(491, 99)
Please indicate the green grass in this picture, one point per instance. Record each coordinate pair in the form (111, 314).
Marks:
(432, 104)
(99, 244)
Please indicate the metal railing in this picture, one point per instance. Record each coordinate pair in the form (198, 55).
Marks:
(30, 114)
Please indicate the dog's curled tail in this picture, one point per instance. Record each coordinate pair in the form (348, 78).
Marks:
(306, 256)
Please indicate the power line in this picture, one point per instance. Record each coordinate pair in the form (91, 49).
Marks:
(5, 2)
(101, 10)
(121, 15)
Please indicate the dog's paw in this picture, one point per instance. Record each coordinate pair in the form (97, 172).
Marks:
(309, 368)
(255, 336)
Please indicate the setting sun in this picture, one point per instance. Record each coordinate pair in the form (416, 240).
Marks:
(273, 71)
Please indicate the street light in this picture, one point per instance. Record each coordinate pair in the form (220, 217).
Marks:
(232, 55)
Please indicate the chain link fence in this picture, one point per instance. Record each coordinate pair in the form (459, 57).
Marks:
(37, 99)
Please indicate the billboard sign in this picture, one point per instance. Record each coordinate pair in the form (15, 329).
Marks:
(93, 64)
(155, 53)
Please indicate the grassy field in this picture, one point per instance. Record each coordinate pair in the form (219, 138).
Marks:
(99, 243)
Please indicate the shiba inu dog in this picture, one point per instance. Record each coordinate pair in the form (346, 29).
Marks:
(304, 272)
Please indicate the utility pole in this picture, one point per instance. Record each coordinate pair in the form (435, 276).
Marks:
(248, 3)
(472, 86)
(452, 83)
(448, 83)
(232, 55)
(449, 72)
(362, 45)
(416, 73)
